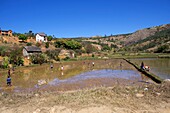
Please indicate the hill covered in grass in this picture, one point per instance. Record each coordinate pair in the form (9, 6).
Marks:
(153, 39)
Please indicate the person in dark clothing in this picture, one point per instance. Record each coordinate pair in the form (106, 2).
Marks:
(9, 72)
(142, 66)
(121, 65)
(51, 66)
(8, 81)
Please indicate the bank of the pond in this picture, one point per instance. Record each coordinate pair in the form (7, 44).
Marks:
(120, 99)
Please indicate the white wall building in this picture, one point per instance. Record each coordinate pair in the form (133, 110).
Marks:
(41, 37)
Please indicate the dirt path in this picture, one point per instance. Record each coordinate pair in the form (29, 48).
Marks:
(146, 98)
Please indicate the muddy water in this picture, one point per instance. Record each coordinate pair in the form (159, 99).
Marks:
(158, 66)
(74, 75)
(104, 73)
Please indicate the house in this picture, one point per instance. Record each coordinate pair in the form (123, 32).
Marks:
(41, 37)
(30, 50)
(6, 33)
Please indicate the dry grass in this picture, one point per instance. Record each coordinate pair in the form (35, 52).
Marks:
(155, 99)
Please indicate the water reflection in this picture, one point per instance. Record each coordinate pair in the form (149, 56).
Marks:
(105, 73)
(158, 66)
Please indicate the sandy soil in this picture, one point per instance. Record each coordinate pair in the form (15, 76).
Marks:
(145, 98)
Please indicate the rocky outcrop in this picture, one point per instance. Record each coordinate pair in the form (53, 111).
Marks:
(144, 33)
(66, 53)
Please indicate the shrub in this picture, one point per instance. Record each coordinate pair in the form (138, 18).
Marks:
(67, 58)
(38, 59)
(92, 55)
(47, 44)
(29, 44)
(53, 54)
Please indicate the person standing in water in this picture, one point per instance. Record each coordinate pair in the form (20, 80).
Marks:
(121, 65)
(62, 68)
(51, 66)
(93, 64)
(8, 81)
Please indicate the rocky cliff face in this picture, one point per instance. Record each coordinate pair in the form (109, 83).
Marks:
(144, 33)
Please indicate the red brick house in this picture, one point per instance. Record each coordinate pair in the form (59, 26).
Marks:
(6, 33)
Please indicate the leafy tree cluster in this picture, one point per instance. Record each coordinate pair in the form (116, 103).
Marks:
(162, 49)
(53, 54)
(38, 59)
(29, 34)
(150, 45)
(29, 44)
(47, 44)
(15, 56)
(4, 63)
(67, 44)
(105, 47)
(49, 38)
(22, 37)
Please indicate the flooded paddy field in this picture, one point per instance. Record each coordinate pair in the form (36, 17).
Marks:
(74, 75)
(108, 86)
(158, 66)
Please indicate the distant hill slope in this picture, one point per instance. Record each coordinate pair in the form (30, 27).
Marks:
(148, 39)
(144, 33)
(154, 43)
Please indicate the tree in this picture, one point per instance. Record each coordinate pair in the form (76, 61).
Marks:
(89, 48)
(5, 62)
(67, 44)
(47, 44)
(29, 44)
(22, 37)
(38, 59)
(60, 43)
(106, 47)
(49, 38)
(72, 44)
(16, 56)
(162, 49)
(53, 54)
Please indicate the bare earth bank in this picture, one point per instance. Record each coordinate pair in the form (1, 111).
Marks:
(146, 98)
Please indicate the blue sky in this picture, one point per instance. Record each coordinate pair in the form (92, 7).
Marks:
(74, 18)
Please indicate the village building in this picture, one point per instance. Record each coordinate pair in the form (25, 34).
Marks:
(6, 33)
(31, 50)
(41, 37)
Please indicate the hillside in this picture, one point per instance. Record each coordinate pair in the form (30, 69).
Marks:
(148, 39)
(159, 42)
(153, 39)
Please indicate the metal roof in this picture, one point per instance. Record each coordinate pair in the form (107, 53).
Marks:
(33, 48)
